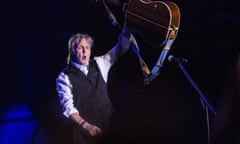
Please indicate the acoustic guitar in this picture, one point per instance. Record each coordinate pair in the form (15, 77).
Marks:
(152, 20)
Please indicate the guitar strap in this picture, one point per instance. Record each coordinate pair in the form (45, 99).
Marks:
(149, 76)
(159, 64)
(136, 50)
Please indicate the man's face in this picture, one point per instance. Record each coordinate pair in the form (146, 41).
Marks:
(82, 52)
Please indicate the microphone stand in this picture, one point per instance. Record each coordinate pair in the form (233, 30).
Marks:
(206, 104)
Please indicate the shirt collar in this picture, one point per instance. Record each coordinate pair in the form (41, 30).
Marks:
(82, 68)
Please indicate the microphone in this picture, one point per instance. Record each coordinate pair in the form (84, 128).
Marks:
(172, 58)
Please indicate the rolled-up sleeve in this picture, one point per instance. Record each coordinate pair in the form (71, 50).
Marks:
(64, 91)
(104, 63)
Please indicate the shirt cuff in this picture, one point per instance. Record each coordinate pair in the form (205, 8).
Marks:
(68, 112)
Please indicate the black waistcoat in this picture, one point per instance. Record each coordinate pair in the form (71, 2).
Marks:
(90, 95)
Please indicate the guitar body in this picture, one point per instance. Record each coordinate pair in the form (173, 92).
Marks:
(152, 20)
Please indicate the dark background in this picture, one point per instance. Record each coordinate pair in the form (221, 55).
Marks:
(34, 37)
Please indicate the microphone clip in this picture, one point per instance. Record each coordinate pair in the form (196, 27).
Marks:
(172, 58)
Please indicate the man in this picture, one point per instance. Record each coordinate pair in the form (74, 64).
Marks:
(82, 87)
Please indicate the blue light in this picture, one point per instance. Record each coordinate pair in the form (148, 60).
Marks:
(17, 125)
